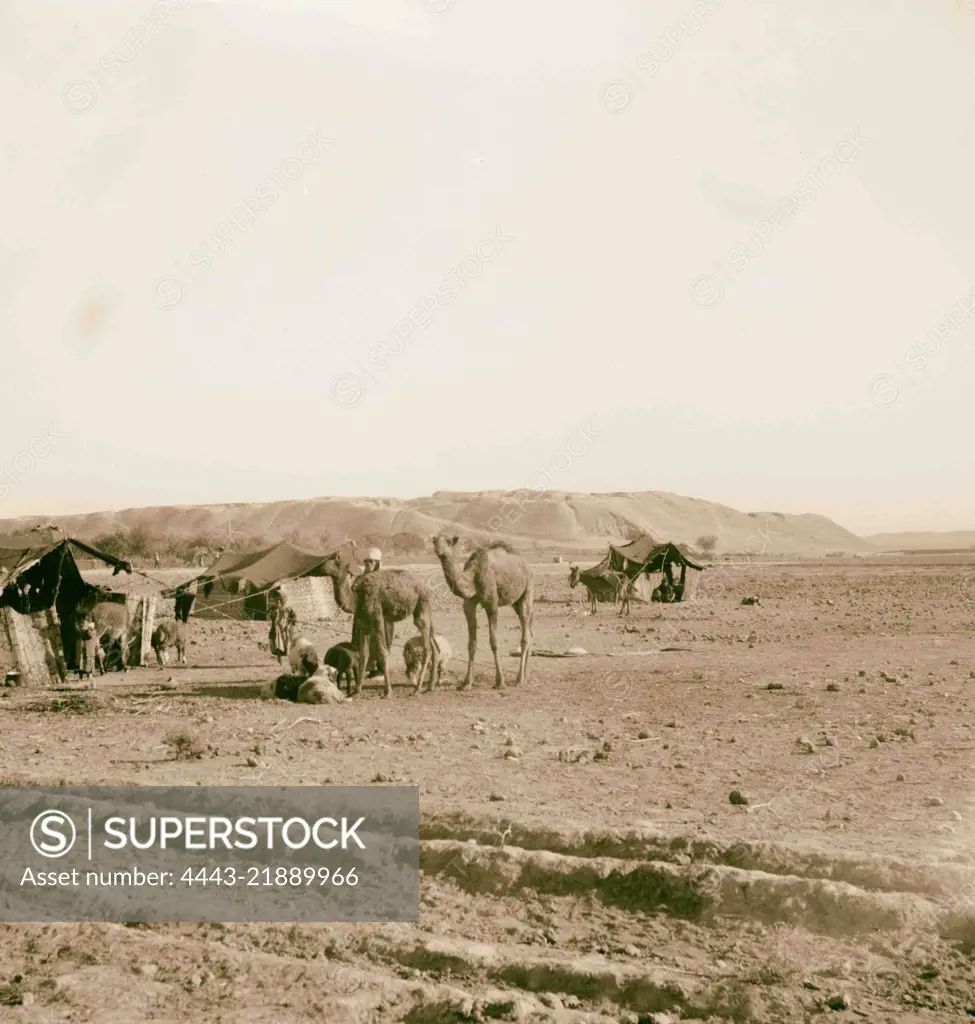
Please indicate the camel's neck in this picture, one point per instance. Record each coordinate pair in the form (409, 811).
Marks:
(460, 585)
(343, 594)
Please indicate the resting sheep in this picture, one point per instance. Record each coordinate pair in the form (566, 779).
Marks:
(413, 657)
(319, 688)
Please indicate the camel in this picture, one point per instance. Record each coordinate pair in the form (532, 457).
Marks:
(379, 600)
(610, 585)
(493, 577)
(111, 621)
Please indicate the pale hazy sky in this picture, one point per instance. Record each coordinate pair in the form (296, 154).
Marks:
(616, 183)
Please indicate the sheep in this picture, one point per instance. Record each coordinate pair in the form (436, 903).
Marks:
(302, 657)
(344, 658)
(413, 657)
(169, 633)
(318, 688)
(321, 688)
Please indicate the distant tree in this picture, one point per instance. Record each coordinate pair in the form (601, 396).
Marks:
(115, 544)
(140, 542)
(408, 544)
(707, 542)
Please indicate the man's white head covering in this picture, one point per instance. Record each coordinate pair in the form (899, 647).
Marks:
(374, 555)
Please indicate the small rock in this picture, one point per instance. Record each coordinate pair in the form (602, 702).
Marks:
(874, 743)
(512, 754)
(572, 1002)
(832, 687)
(934, 801)
(805, 745)
(252, 762)
(862, 672)
(900, 777)
(774, 686)
(551, 1001)
(643, 735)
(838, 1001)
(736, 797)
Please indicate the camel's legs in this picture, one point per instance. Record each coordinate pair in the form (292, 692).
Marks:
(492, 617)
(524, 607)
(470, 613)
(435, 667)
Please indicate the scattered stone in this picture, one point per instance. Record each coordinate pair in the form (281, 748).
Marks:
(934, 801)
(832, 687)
(862, 672)
(805, 745)
(512, 754)
(252, 762)
(775, 686)
(874, 743)
(738, 798)
(900, 777)
(643, 735)
(752, 600)
(838, 1001)
(495, 798)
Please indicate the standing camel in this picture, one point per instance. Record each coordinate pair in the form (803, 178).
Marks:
(493, 577)
(378, 600)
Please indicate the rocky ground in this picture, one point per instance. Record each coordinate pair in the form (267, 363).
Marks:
(772, 822)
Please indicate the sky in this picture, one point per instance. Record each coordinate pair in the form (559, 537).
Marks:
(445, 237)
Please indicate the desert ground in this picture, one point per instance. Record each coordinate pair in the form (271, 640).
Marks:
(581, 857)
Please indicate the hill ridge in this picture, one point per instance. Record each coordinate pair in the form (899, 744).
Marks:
(549, 519)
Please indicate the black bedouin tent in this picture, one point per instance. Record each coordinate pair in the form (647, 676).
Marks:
(42, 591)
(644, 555)
(237, 584)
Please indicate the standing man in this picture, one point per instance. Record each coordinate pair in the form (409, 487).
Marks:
(373, 562)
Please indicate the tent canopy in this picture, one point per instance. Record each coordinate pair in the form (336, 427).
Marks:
(644, 554)
(262, 569)
(44, 560)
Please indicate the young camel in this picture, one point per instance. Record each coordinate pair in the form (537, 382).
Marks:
(378, 600)
(493, 577)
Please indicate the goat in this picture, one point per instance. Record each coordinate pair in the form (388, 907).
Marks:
(344, 658)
